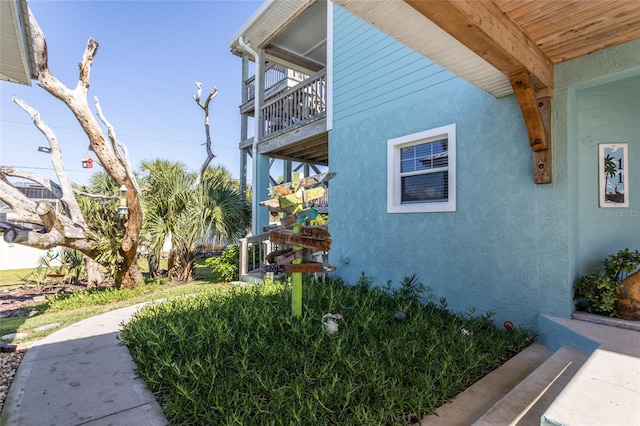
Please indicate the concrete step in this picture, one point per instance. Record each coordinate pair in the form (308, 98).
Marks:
(528, 400)
(468, 406)
(253, 278)
(606, 390)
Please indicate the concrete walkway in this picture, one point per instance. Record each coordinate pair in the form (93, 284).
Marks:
(81, 375)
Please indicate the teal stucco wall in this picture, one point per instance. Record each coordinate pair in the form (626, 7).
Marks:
(506, 248)
(597, 100)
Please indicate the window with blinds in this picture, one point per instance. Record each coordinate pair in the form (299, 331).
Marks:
(421, 172)
(424, 172)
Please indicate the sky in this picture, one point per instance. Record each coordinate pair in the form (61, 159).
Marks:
(150, 54)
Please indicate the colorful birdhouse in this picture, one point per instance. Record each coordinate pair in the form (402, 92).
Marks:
(87, 163)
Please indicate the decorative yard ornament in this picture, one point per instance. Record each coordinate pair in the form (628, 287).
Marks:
(297, 198)
(330, 325)
(87, 163)
(122, 208)
(508, 325)
(400, 316)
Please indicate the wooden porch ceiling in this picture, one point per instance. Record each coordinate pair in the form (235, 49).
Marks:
(534, 35)
(314, 150)
(524, 39)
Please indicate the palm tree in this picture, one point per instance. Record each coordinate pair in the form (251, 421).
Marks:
(166, 187)
(98, 203)
(217, 214)
(610, 170)
(190, 215)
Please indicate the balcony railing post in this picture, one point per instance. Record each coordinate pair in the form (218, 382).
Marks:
(244, 255)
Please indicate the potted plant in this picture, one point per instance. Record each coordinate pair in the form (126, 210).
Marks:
(617, 292)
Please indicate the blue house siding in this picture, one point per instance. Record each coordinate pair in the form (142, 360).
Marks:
(506, 248)
(401, 74)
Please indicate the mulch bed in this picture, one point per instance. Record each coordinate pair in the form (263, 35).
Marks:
(20, 301)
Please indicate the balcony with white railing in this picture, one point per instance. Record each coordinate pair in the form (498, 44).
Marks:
(292, 116)
(277, 78)
(298, 105)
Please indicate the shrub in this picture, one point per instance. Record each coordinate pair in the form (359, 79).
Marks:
(227, 265)
(600, 292)
(237, 356)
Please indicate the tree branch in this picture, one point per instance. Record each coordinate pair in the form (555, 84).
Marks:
(55, 189)
(21, 205)
(76, 100)
(68, 200)
(40, 213)
(85, 66)
(96, 196)
(205, 108)
(116, 145)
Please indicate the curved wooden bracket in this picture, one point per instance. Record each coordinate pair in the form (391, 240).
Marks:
(526, 96)
(536, 113)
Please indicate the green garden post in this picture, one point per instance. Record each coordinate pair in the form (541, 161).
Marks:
(296, 282)
(296, 277)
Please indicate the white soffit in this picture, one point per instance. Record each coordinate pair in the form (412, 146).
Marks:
(15, 55)
(271, 17)
(402, 22)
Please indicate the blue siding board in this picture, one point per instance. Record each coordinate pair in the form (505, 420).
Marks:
(382, 99)
(365, 81)
(354, 72)
(405, 67)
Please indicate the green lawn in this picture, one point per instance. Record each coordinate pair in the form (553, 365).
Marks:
(13, 277)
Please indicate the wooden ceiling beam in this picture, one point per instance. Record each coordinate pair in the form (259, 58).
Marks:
(280, 54)
(482, 27)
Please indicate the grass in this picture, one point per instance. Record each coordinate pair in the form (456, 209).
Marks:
(67, 309)
(18, 277)
(235, 355)
(13, 277)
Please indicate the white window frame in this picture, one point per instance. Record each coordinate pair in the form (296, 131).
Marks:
(394, 205)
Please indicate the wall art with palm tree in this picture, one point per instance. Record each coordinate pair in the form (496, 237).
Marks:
(614, 176)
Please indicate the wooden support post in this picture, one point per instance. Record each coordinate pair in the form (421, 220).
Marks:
(542, 163)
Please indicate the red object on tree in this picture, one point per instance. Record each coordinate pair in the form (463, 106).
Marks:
(87, 163)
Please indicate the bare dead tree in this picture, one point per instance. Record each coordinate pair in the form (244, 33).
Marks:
(70, 230)
(205, 108)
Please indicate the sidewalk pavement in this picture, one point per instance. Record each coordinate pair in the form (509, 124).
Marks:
(81, 375)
